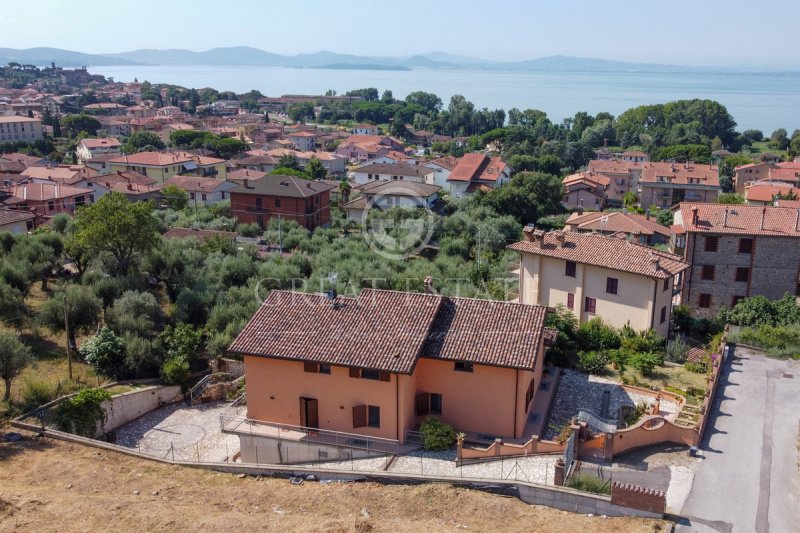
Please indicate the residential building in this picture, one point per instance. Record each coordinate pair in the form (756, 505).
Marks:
(16, 222)
(364, 129)
(787, 173)
(736, 251)
(622, 282)
(303, 141)
(477, 171)
(633, 226)
(15, 128)
(89, 148)
(367, 147)
(634, 156)
(387, 194)
(106, 108)
(161, 165)
(135, 186)
(666, 184)
(392, 172)
(62, 174)
(242, 174)
(202, 191)
(585, 190)
(443, 166)
(378, 364)
(766, 191)
(284, 197)
(47, 199)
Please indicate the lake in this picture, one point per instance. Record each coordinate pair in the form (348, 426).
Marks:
(764, 101)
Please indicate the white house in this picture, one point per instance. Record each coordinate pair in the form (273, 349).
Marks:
(365, 129)
(18, 128)
(202, 191)
(387, 194)
(443, 166)
(89, 148)
(393, 172)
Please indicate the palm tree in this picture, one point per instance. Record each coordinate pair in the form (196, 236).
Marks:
(344, 190)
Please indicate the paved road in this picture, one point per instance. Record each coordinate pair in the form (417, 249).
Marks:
(748, 481)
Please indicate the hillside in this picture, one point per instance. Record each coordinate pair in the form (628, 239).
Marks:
(49, 485)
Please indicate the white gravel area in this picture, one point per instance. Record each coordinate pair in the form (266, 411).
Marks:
(189, 433)
(533, 469)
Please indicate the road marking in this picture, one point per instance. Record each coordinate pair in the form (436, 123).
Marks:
(762, 512)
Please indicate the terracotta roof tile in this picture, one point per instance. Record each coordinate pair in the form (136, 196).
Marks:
(616, 221)
(741, 220)
(602, 251)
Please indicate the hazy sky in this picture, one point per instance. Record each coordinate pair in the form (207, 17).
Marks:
(687, 32)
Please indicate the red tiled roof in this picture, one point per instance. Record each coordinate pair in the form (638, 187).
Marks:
(382, 330)
(487, 332)
(794, 204)
(468, 167)
(617, 221)
(38, 192)
(196, 183)
(100, 143)
(592, 178)
(390, 330)
(741, 220)
(759, 192)
(680, 173)
(156, 159)
(602, 251)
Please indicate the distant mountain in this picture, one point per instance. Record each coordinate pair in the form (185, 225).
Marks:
(362, 66)
(65, 58)
(248, 56)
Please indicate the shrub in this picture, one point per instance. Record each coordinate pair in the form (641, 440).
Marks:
(592, 362)
(143, 357)
(249, 230)
(175, 371)
(676, 351)
(589, 483)
(619, 358)
(436, 435)
(699, 368)
(596, 335)
(36, 392)
(182, 341)
(83, 413)
(135, 312)
(645, 362)
(106, 352)
(643, 341)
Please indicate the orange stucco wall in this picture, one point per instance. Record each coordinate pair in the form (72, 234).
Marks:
(485, 400)
(274, 389)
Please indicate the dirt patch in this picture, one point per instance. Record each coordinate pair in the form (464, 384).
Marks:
(46, 485)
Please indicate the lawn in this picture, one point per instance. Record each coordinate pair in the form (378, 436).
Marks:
(663, 376)
(763, 146)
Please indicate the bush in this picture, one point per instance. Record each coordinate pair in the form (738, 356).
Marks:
(106, 352)
(249, 230)
(135, 312)
(676, 351)
(592, 362)
(35, 393)
(143, 357)
(596, 335)
(589, 483)
(436, 435)
(175, 371)
(645, 362)
(643, 341)
(619, 358)
(83, 413)
(699, 368)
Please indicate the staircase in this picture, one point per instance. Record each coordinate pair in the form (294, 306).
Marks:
(689, 414)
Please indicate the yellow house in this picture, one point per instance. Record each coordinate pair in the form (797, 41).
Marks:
(160, 166)
(597, 276)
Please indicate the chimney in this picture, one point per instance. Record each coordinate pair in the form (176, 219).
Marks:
(428, 283)
(560, 237)
(647, 215)
(763, 216)
(654, 262)
(694, 216)
(725, 220)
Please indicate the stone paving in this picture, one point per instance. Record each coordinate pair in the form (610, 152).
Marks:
(577, 391)
(533, 469)
(189, 433)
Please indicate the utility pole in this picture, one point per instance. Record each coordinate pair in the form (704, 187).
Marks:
(66, 332)
(479, 247)
(280, 234)
(195, 201)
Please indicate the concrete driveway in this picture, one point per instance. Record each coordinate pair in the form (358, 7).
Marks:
(748, 481)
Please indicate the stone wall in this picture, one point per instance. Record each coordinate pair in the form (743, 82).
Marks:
(648, 500)
(774, 266)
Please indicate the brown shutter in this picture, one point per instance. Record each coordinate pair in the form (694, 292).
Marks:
(359, 416)
(355, 372)
(423, 403)
(311, 367)
(384, 376)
